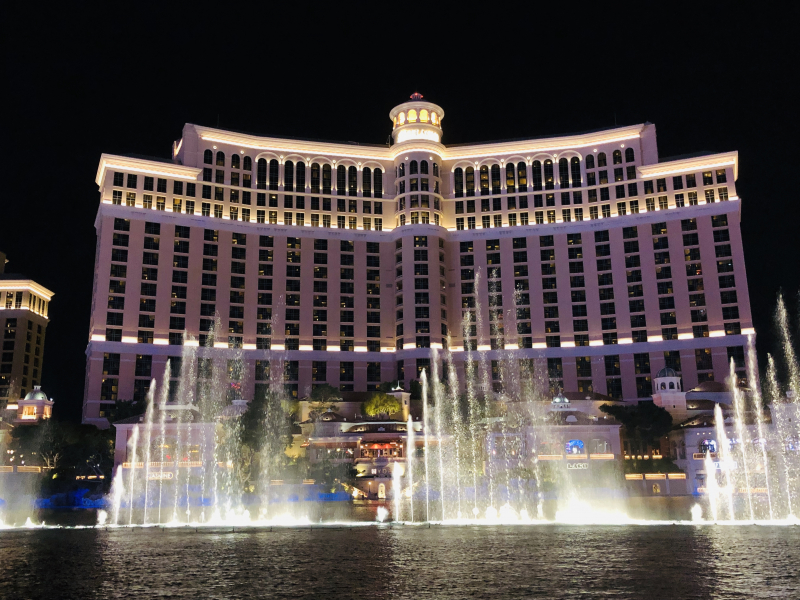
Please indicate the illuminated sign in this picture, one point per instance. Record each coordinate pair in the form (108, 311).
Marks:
(160, 475)
(577, 466)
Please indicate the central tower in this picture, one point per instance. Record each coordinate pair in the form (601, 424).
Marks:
(420, 279)
(417, 120)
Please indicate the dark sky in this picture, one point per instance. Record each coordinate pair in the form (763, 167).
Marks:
(83, 80)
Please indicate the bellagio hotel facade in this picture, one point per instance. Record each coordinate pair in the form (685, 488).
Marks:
(583, 254)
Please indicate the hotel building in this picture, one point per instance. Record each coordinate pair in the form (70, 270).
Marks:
(584, 254)
(24, 307)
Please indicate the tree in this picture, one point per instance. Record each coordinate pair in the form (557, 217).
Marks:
(380, 403)
(646, 422)
(264, 432)
(323, 398)
(51, 441)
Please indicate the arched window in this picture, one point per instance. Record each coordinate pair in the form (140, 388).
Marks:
(536, 175)
(366, 182)
(378, 180)
(327, 179)
(401, 170)
(495, 179)
(574, 447)
(510, 178)
(617, 157)
(273, 174)
(341, 180)
(549, 182)
(315, 178)
(352, 181)
(434, 118)
(629, 155)
(423, 116)
(423, 167)
(401, 118)
(220, 159)
(575, 164)
(522, 177)
(435, 170)
(708, 446)
(208, 157)
(601, 159)
(261, 176)
(484, 181)
(563, 173)
(412, 116)
(672, 385)
(235, 161)
(590, 162)
(247, 163)
(470, 181)
(412, 168)
(458, 180)
(300, 177)
(288, 175)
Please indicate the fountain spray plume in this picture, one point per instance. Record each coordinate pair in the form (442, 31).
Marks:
(712, 486)
(758, 406)
(742, 433)
(472, 398)
(410, 449)
(785, 432)
(117, 493)
(148, 442)
(792, 367)
(163, 397)
(438, 398)
(725, 461)
(396, 490)
(132, 481)
(425, 436)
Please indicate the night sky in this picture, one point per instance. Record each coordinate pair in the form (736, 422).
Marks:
(89, 80)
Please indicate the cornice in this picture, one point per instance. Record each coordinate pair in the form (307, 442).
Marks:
(286, 146)
(686, 165)
(142, 165)
(28, 285)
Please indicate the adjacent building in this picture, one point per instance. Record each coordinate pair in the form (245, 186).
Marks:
(24, 307)
(585, 256)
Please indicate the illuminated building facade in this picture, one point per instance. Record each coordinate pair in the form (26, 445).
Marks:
(24, 308)
(584, 253)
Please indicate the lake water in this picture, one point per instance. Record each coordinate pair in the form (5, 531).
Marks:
(393, 562)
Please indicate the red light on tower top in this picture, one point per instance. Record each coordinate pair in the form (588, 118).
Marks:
(416, 96)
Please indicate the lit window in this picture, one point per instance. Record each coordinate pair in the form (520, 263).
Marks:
(412, 116)
(401, 118)
(423, 116)
(434, 118)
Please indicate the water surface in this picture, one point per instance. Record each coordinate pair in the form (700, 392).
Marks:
(666, 561)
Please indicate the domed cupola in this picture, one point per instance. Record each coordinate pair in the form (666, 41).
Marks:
(36, 394)
(667, 380)
(417, 120)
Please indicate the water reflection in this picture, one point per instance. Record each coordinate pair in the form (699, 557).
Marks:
(670, 561)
